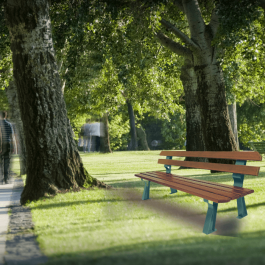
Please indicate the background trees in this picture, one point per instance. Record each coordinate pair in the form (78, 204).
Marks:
(109, 59)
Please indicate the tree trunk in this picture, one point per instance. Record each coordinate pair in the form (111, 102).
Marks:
(214, 111)
(233, 119)
(195, 136)
(194, 130)
(11, 93)
(142, 136)
(53, 161)
(104, 141)
(132, 126)
(210, 97)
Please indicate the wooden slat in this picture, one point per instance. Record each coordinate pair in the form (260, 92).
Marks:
(234, 155)
(222, 186)
(226, 190)
(203, 194)
(201, 190)
(245, 170)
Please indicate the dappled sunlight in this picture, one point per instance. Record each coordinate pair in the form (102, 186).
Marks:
(115, 226)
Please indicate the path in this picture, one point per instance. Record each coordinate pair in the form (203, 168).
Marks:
(5, 201)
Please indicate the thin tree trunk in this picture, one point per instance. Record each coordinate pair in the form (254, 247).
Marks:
(142, 136)
(11, 92)
(233, 119)
(104, 141)
(132, 126)
(53, 161)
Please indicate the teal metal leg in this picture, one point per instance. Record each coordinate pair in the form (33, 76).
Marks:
(173, 191)
(238, 182)
(241, 208)
(146, 190)
(168, 170)
(209, 225)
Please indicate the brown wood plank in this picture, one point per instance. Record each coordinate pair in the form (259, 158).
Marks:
(222, 186)
(245, 170)
(234, 155)
(203, 194)
(232, 192)
(174, 179)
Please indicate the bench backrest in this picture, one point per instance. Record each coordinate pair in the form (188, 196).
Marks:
(239, 168)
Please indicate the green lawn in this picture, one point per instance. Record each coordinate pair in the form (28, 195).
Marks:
(116, 227)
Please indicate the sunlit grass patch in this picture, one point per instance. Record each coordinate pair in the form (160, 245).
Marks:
(116, 227)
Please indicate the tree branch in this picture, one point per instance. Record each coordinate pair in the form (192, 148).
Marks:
(173, 46)
(195, 20)
(192, 45)
(214, 23)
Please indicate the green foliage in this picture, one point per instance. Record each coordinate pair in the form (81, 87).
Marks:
(119, 131)
(251, 122)
(5, 59)
(241, 43)
(108, 58)
(3, 101)
(174, 131)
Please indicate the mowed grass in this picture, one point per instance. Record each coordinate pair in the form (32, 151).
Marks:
(116, 227)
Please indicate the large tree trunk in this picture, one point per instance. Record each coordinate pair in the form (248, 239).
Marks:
(211, 88)
(214, 109)
(104, 141)
(53, 161)
(217, 133)
(194, 129)
(134, 144)
(11, 93)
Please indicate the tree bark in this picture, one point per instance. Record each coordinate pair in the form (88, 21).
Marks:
(11, 93)
(134, 144)
(142, 136)
(195, 136)
(211, 103)
(104, 141)
(233, 119)
(53, 161)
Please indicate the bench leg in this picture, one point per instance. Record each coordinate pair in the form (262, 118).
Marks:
(241, 208)
(146, 190)
(173, 191)
(209, 225)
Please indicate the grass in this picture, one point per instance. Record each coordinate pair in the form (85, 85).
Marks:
(116, 227)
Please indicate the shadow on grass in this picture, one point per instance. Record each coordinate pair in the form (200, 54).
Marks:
(225, 226)
(67, 203)
(182, 211)
(140, 184)
(248, 207)
(192, 252)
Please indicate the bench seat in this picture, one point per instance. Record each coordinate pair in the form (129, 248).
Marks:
(222, 161)
(212, 191)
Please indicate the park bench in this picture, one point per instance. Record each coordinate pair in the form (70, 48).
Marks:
(258, 146)
(209, 191)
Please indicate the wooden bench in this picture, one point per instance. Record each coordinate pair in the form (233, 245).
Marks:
(209, 191)
(258, 146)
